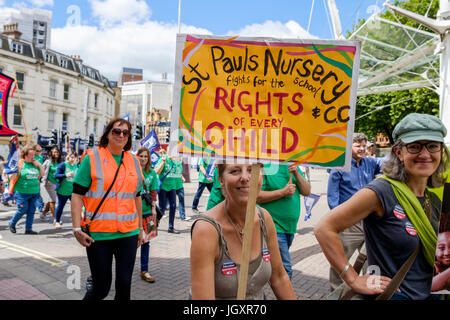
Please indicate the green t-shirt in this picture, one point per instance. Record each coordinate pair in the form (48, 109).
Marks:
(28, 182)
(151, 183)
(39, 158)
(170, 181)
(83, 178)
(52, 171)
(216, 195)
(204, 163)
(66, 186)
(285, 212)
(178, 166)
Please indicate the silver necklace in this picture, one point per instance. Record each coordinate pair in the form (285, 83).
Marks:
(240, 234)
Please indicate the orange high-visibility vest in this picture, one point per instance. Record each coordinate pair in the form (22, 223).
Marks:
(118, 212)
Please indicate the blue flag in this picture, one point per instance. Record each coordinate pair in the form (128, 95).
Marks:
(310, 202)
(154, 157)
(151, 141)
(210, 169)
(13, 158)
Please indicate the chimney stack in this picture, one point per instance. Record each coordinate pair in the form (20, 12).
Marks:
(11, 30)
(77, 59)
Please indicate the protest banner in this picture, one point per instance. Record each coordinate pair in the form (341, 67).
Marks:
(270, 100)
(6, 85)
(260, 100)
(441, 272)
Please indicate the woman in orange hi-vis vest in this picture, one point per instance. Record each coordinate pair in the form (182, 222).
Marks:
(112, 223)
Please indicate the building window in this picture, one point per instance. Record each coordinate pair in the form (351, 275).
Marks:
(17, 47)
(95, 126)
(63, 63)
(1, 69)
(96, 100)
(51, 119)
(20, 76)
(52, 92)
(65, 122)
(48, 57)
(66, 91)
(17, 120)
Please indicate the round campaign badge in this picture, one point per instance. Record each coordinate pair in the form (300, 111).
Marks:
(399, 213)
(410, 229)
(266, 254)
(229, 268)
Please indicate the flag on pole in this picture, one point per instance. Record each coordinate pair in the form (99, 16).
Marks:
(151, 141)
(13, 158)
(5, 88)
(210, 169)
(154, 157)
(310, 202)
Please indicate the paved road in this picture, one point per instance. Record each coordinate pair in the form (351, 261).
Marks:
(53, 266)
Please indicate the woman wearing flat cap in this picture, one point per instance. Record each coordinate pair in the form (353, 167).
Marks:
(400, 216)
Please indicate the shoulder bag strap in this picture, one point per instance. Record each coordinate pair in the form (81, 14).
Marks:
(109, 189)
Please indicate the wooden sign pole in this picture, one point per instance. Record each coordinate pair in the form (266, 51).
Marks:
(248, 232)
(27, 137)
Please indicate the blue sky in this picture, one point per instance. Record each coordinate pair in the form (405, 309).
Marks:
(141, 34)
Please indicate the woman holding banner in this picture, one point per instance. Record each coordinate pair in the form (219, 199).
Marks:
(217, 244)
(400, 216)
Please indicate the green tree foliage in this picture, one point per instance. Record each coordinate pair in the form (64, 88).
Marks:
(379, 113)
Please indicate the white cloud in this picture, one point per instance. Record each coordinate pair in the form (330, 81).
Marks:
(126, 37)
(42, 3)
(276, 29)
(110, 12)
(149, 45)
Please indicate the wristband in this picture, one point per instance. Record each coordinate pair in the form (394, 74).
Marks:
(345, 270)
(76, 229)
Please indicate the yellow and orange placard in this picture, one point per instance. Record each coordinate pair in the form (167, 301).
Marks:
(264, 99)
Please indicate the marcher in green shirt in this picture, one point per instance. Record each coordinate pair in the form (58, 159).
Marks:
(180, 188)
(205, 180)
(150, 187)
(216, 195)
(39, 202)
(165, 168)
(65, 174)
(49, 180)
(280, 196)
(25, 184)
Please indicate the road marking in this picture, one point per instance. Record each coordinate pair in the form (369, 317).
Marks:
(56, 262)
(7, 213)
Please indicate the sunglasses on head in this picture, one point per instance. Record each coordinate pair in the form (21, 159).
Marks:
(117, 132)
